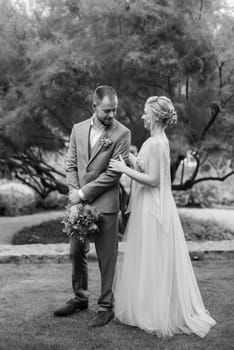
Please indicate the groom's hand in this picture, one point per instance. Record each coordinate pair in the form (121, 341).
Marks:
(74, 196)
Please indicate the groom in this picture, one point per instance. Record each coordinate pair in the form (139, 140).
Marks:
(93, 143)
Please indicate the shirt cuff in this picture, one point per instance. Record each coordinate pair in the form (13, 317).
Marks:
(81, 194)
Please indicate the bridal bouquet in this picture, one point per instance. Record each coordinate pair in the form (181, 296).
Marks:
(81, 221)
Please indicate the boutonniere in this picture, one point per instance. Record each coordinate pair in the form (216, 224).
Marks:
(105, 142)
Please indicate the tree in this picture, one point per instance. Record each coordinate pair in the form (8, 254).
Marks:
(54, 57)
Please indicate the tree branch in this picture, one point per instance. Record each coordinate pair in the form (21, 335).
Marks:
(215, 110)
(189, 183)
(211, 178)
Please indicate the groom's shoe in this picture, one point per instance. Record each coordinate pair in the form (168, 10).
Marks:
(70, 307)
(102, 318)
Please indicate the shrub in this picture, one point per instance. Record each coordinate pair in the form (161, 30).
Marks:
(16, 199)
(198, 230)
(54, 200)
(46, 232)
(198, 197)
(52, 232)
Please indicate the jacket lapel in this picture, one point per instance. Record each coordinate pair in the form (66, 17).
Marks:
(85, 139)
(97, 148)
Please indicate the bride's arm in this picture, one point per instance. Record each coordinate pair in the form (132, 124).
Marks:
(132, 159)
(151, 178)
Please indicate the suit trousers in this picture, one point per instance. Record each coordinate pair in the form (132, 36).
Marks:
(106, 244)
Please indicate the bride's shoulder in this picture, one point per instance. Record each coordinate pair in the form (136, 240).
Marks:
(158, 141)
(158, 146)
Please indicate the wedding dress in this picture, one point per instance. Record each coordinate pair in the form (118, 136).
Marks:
(155, 287)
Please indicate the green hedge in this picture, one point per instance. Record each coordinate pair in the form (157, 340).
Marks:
(51, 232)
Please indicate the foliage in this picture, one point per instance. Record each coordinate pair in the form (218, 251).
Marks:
(197, 230)
(45, 233)
(54, 200)
(16, 199)
(53, 57)
(52, 232)
(195, 197)
(203, 198)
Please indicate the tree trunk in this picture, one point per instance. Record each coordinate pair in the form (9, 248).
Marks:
(201, 8)
(187, 87)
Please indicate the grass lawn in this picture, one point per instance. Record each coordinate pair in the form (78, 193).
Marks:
(31, 292)
(51, 232)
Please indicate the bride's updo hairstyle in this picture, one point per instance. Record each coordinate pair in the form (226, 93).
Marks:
(162, 110)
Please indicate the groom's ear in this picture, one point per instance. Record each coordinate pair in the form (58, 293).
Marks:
(94, 106)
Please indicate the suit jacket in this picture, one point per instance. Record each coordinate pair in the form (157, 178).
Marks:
(99, 184)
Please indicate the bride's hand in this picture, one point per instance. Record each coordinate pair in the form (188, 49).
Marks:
(118, 166)
(140, 164)
(132, 159)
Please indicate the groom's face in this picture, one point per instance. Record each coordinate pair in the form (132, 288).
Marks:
(106, 110)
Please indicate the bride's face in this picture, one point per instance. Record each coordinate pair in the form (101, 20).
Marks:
(147, 117)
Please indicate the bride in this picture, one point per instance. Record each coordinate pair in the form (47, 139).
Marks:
(155, 287)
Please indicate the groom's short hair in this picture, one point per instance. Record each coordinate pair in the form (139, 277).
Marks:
(102, 91)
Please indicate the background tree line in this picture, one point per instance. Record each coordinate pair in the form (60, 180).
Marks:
(53, 56)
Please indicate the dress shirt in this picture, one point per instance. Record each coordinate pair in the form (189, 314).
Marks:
(95, 133)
